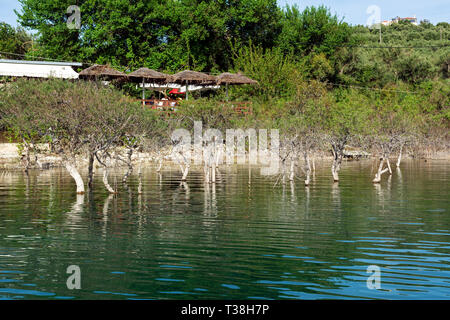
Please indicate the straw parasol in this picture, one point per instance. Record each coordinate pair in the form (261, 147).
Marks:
(228, 78)
(194, 77)
(148, 74)
(101, 71)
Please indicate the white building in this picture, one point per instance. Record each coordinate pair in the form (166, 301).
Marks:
(412, 20)
(38, 69)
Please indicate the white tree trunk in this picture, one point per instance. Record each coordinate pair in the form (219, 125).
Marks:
(73, 171)
(219, 175)
(380, 171)
(389, 166)
(206, 172)
(335, 170)
(185, 173)
(308, 170)
(292, 171)
(213, 172)
(105, 181)
(77, 207)
(399, 160)
(140, 178)
(160, 164)
(26, 158)
(218, 155)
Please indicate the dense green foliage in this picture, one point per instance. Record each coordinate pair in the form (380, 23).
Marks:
(167, 35)
(209, 35)
(314, 70)
(390, 65)
(13, 40)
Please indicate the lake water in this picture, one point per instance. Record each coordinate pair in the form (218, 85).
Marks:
(234, 240)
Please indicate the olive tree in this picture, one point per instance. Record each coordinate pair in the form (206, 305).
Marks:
(75, 119)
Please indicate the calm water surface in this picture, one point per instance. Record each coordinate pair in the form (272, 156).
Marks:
(234, 240)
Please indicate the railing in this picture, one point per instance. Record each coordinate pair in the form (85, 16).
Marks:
(170, 106)
(241, 107)
(156, 103)
(166, 106)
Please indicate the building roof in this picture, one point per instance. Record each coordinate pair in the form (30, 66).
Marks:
(38, 69)
(191, 76)
(234, 78)
(51, 63)
(99, 70)
(149, 74)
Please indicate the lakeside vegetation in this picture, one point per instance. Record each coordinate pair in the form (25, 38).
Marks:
(323, 83)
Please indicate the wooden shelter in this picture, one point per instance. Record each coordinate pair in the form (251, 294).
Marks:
(193, 77)
(102, 72)
(228, 78)
(234, 78)
(149, 74)
(146, 74)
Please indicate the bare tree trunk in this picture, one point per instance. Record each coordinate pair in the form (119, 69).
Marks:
(308, 169)
(218, 155)
(338, 153)
(399, 160)
(377, 178)
(380, 171)
(91, 170)
(292, 170)
(73, 171)
(219, 175)
(206, 172)
(77, 207)
(129, 164)
(335, 170)
(389, 166)
(140, 178)
(336, 166)
(185, 173)
(105, 180)
(213, 172)
(160, 164)
(26, 157)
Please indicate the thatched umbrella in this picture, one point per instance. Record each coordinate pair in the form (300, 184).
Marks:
(149, 74)
(194, 77)
(228, 78)
(101, 71)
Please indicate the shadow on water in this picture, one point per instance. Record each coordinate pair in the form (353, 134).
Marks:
(240, 238)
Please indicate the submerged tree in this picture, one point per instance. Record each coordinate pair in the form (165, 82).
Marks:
(75, 119)
(392, 128)
(22, 121)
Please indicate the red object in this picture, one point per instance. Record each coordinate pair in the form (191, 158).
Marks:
(176, 91)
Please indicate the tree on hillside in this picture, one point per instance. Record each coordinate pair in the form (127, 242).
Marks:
(14, 40)
(168, 35)
(317, 35)
(314, 29)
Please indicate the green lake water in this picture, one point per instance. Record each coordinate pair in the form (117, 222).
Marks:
(234, 240)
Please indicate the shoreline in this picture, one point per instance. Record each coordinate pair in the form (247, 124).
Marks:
(11, 160)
